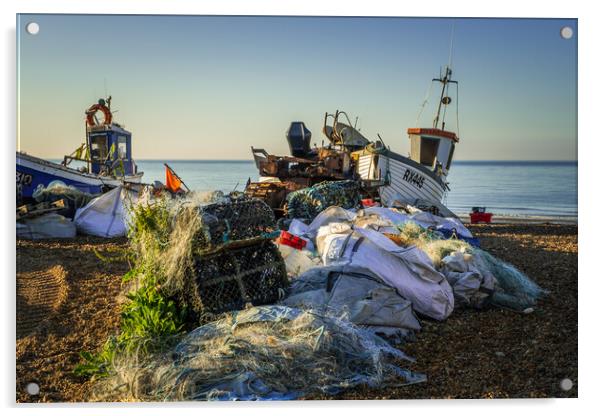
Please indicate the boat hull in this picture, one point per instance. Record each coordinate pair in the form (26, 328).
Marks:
(402, 179)
(33, 171)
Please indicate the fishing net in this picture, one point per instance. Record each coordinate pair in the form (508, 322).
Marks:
(161, 231)
(309, 202)
(261, 353)
(212, 255)
(431, 242)
(57, 190)
(513, 289)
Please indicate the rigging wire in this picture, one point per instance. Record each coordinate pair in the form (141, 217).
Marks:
(424, 103)
(457, 110)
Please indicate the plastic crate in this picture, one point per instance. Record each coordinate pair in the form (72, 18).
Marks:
(291, 240)
(477, 217)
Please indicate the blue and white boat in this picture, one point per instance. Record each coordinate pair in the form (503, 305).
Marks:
(105, 159)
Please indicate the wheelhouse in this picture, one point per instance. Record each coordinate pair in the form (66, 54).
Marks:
(110, 148)
(432, 148)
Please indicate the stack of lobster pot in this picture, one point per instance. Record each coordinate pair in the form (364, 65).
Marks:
(236, 262)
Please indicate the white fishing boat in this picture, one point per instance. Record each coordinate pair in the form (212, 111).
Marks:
(421, 177)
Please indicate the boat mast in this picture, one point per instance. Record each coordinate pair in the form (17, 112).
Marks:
(443, 99)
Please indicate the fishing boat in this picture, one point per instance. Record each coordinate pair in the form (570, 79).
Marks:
(307, 166)
(420, 178)
(105, 159)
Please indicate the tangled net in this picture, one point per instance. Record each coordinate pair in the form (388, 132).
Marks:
(57, 190)
(269, 352)
(211, 253)
(161, 235)
(309, 202)
(513, 288)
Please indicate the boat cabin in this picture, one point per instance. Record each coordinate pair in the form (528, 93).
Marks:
(110, 148)
(432, 148)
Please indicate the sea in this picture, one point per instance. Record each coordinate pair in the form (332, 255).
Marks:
(508, 188)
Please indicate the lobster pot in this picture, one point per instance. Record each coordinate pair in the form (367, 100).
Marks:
(234, 277)
(234, 221)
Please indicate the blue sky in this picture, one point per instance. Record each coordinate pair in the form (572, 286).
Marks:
(207, 87)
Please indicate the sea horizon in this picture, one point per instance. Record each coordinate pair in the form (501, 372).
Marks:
(515, 188)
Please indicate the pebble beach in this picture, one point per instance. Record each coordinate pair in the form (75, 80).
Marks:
(495, 353)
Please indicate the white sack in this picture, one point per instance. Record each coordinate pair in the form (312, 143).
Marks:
(297, 261)
(471, 284)
(329, 215)
(104, 216)
(357, 294)
(424, 219)
(327, 230)
(49, 225)
(409, 270)
(298, 227)
(371, 303)
(396, 217)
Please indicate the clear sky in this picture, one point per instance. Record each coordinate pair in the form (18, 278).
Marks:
(206, 87)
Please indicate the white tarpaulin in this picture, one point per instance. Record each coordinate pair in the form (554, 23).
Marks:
(358, 294)
(424, 219)
(50, 225)
(105, 216)
(409, 270)
(297, 261)
(472, 285)
(379, 218)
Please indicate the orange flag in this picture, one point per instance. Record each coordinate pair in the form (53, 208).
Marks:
(172, 182)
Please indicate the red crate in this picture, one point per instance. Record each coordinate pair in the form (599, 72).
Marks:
(369, 202)
(291, 240)
(476, 217)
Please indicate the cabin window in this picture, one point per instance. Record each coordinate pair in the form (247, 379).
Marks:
(121, 147)
(428, 151)
(98, 147)
(451, 156)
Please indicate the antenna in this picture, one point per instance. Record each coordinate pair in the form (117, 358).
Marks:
(451, 44)
(445, 80)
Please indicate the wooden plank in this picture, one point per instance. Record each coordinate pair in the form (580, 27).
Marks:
(30, 210)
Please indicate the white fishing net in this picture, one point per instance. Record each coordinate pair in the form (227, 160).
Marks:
(268, 352)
